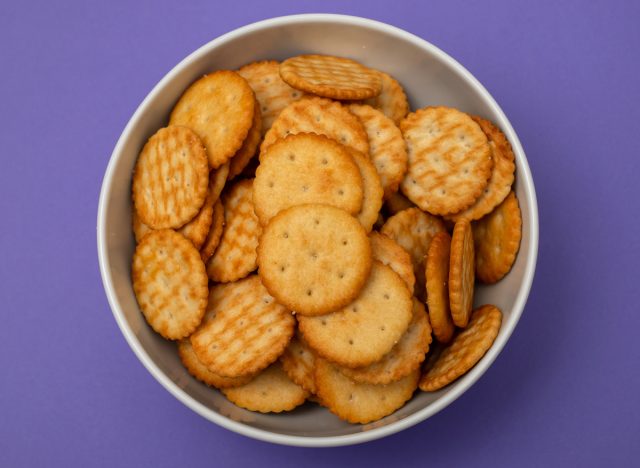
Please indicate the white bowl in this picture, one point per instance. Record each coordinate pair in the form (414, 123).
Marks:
(430, 77)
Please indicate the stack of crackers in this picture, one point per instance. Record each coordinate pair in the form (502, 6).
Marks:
(303, 236)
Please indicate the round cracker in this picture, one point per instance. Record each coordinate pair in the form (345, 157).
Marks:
(365, 330)
(306, 168)
(270, 392)
(170, 283)
(501, 178)
(388, 252)
(461, 273)
(360, 403)
(314, 259)
(397, 203)
(197, 229)
(219, 107)
(170, 178)
(466, 349)
(437, 277)
(331, 77)
(249, 147)
(298, 361)
(217, 181)
(272, 93)
(371, 190)
(202, 373)
(139, 228)
(413, 230)
(244, 329)
(404, 358)
(449, 160)
(497, 240)
(235, 256)
(320, 116)
(215, 232)
(392, 100)
(386, 146)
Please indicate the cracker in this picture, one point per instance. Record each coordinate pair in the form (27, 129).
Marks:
(197, 229)
(371, 190)
(170, 283)
(386, 146)
(270, 392)
(449, 160)
(497, 240)
(361, 403)
(298, 361)
(306, 168)
(331, 77)
(314, 259)
(244, 329)
(202, 373)
(396, 203)
(170, 178)
(321, 116)
(412, 230)
(466, 349)
(388, 252)
(139, 228)
(501, 178)
(235, 256)
(215, 232)
(272, 93)
(461, 273)
(365, 330)
(219, 107)
(217, 181)
(249, 147)
(392, 100)
(404, 358)
(437, 277)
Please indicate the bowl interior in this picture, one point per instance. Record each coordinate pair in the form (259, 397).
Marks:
(429, 78)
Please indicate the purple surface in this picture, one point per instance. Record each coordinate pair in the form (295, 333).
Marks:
(564, 392)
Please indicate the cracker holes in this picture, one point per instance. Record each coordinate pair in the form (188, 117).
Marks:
(267, 80)
(323, 322)
(285, 235)
(314, 255)
(351, 341)
(305, 188)
(324, 161)
(443, 191)
(386, 296)
(383, 328)
(345, 242)
(295, 94)
(316, 221)
(282, 268)
(270, 184)
(241, 323)
(263, 393)
(343, 139)
(341, 275)
(341, 192)
(292, 157)
(264, 108)
(354, 309)
(309, 292)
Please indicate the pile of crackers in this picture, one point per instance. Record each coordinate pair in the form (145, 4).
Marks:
(303, 236)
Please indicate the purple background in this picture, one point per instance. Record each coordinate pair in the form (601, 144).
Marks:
(564, 392)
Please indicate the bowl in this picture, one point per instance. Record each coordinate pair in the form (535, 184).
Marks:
(430, 77)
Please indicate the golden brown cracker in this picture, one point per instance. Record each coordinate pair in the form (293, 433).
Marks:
(217, 181)
(461, 273)
(272, 92)
(396, 203)
(437, 277)
(249, 147)
(413, 229)
(331, 77)
(235, 256)
(361, 403)
(371, 190)
(202, 373)
(170, 178)
(197, 229)
(466, 349)
(320, 116)
(449, 160)
(219, 107)
(270, 392)
(501, 178)
(298, 361)
(215, 232)
(392, 100)
(497, 240)
(139, 228)
(314, 258)
(388, 252)
(306, 168)
(365, 330)
(170, 283)
(244, 329)
(405, 356)
(386, 146)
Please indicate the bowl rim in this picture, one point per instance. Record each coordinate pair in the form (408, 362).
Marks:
(318, 441)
